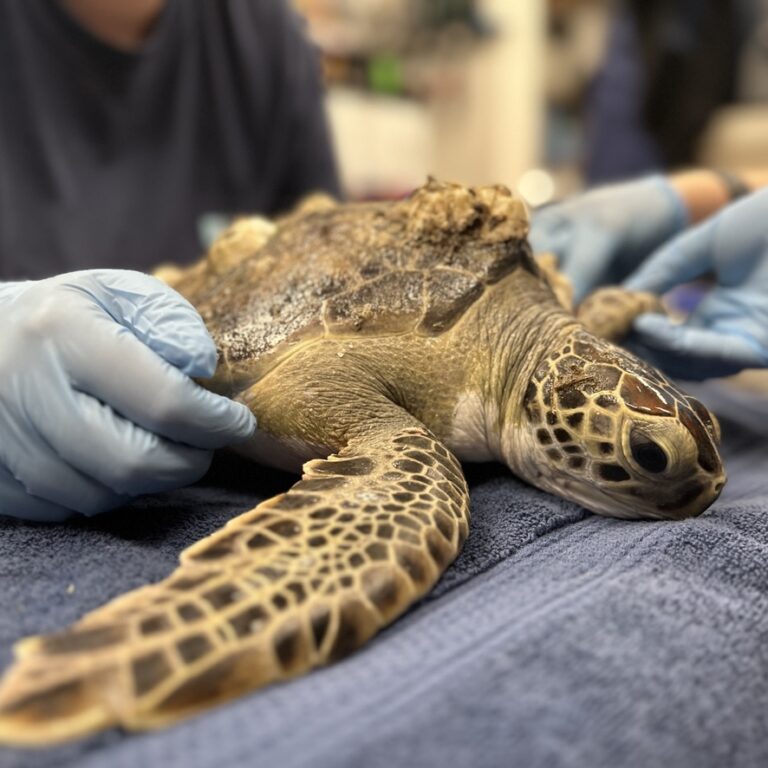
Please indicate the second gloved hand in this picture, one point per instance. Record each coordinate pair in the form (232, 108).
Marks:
(96, 403)
(601, 236)
(728, 331)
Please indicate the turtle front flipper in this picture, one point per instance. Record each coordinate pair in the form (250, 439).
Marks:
(301, 580)
(610, 311)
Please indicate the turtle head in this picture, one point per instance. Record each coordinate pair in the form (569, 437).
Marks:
(604, 429)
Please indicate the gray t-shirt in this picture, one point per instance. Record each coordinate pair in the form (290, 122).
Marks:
(111, 159)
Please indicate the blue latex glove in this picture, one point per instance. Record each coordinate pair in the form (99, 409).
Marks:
(96, 403)
(601, 236)
(728, 330)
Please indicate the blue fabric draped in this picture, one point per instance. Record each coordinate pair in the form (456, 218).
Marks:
(558, 638)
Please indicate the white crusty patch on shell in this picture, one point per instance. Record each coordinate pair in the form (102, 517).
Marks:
(440, 207)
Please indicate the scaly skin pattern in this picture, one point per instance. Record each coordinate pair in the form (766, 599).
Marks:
(377, 344)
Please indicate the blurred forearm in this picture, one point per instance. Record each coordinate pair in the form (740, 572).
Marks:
(705, 192)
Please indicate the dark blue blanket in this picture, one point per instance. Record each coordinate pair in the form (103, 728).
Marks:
(557, 639)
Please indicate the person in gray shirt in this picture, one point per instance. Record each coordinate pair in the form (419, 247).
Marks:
(125, 123)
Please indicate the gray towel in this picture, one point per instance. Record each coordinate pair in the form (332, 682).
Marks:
(558, 638)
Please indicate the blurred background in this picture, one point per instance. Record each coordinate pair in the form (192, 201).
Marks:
(547, 96)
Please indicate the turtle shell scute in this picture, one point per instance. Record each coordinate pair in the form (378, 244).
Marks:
(371, 269)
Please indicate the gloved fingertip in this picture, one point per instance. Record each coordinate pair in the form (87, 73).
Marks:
(245, 423)
(652, 323)
(192, 465)
(116, 502)
(228, 422)
(199, 468)
(659, 332)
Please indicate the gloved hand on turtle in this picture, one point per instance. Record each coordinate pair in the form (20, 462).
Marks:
(96, 403)
(603, 235)
(599, 237)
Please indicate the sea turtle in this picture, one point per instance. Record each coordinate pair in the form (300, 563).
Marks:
(377, 343)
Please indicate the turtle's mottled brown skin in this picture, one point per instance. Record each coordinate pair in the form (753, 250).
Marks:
(377, 343)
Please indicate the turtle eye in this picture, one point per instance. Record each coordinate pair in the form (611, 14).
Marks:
(649, 455)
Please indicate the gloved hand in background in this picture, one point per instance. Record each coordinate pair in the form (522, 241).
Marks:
(600, 237)
(96, 403)
(728, 331)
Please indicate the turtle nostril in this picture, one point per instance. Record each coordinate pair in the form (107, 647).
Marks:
(719, 487)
